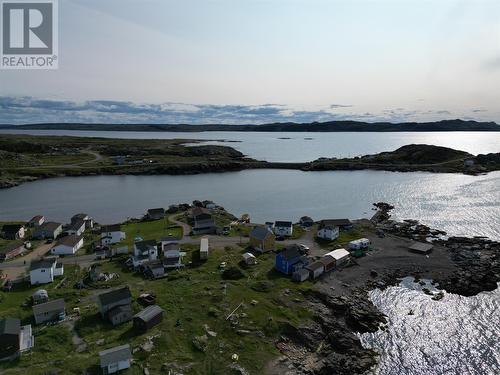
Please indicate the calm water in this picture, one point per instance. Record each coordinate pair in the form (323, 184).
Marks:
(457, 335)
(299, 148)
(459, 204)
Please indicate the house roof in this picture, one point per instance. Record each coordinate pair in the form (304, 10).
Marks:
(170, 238)
(339, 254)
(114, 355)
(155, 264)
(260, 233)
(117, 310)
(306, 219)
(204, 223)
(115, 295)
(156, 211)
(171, 247)
(421, 247)
(335, 222)
(50, 225)
(171, 261)
(10, 326)
(76, 224)
(282, 223)
(145, 245)
(11, 228)
(43, 263)
(315, 266)
(70, 240)
(327, 260)
(80, 216)
(290, 252)
(11, 246)
(55, 305)
(149, 313)
(111, 228)
(36, 218)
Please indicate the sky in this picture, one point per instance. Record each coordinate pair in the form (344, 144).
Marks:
(258, 61)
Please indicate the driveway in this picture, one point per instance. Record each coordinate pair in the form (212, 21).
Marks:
(17, 267)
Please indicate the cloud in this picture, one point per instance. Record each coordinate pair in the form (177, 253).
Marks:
(24, 110)
(492, 64)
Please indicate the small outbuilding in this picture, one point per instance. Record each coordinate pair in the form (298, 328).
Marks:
(11, 251)
(148, 318)
(341, 256)
(300, 275)
(315, 269)
(115, 359)
(249, 259)
(329, 262)
(204, 248)
(421, 247)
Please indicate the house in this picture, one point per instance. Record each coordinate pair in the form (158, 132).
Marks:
(52, 311)
(14, 338)
(262, 239)
(111, 234)
(306, 222)
(343, 224)
(144, 251)
(43, 271)
(115, 305)
(11, 251)
(203, 222)
(270, 225)
(327, 232)
(68, 245)
(148, 318)
(36, 221)
(315, 269)
(328, 262)
(341, 256)
(89, 222)
(13, 231)
(249, 259)
(283, 228)
(286, 259)
(155, 213)
(209, 205)
(154, 269)
(361, 243)
(171, 247)
(49, 229)
(421, 247)
(204, 248)
(115, 359)
(76, 227)
(300, 275)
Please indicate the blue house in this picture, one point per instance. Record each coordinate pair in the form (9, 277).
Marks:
(287, 258)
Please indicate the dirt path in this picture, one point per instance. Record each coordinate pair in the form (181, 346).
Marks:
(186, 229)
(16, 268)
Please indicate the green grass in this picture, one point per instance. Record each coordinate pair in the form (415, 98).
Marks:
(148, 230)
(195, 296)
(344, 238)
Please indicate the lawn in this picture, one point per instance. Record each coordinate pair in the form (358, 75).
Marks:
(344, 238)
(191, 297)
(149, 230)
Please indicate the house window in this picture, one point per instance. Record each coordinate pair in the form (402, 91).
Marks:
(42, 270)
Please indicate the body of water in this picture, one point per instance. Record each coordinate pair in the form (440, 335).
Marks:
(455, 336)
(459, 204)
(307, 146)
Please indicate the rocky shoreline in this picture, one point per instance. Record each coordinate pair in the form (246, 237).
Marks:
(330, 344)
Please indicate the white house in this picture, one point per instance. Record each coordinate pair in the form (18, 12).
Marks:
(204, 248)
(283, 228)
(68, 245)
(115, 359)
(44, 271)
(171, 247)
(144, 251)
(76, 227)
(111, 234)
(328, 232)
(341, 256)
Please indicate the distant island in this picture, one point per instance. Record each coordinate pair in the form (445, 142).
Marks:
(26, 158)
(329, 126)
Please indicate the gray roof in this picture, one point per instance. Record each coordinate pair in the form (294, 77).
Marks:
(170, 238)
(115, 295)
(111, 228)
(11, 228)
(260, 233)
(114, 355)
(315, 266)
(36, 218)
(335, 222)
(70, 240)
(421, 246)
(50, 225)
(145, 245)
(282, 223)
(119, 310)
(154, 211)
(290, 252)
(55, 305)
(149, 313)
(327, 259)
(43, 263)
(77, 224)
(10, 326)
(11, 246)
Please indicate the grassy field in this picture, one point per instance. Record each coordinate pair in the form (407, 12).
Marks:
(194, 297)
(344, 238)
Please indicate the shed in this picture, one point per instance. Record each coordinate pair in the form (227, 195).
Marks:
(421, 247)
(9, 337)
(329, 262)
(300, 275)
(204, 248)
(341, 256)
(249, 258)
(115, 359)
(148, 318)
(315, 269)
(52, 311)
